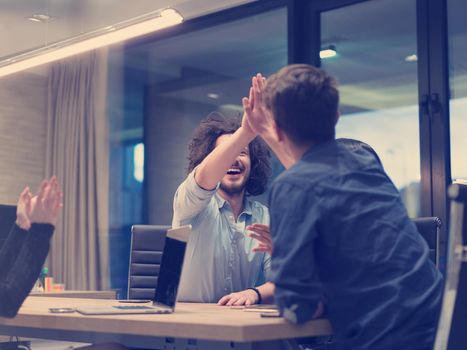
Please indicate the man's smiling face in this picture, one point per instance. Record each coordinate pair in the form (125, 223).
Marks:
(234, 181)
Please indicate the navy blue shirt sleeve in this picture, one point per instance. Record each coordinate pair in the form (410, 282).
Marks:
(21, 259)
(294, 227)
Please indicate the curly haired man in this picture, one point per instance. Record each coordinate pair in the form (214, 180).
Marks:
(226, 165)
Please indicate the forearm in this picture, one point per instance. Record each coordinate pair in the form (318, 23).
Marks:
(267, 292)
(20, 278)
(10, 250)
(213, 168)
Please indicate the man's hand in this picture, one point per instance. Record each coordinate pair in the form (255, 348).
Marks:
(261, 233)
(256, 114)
(246, 126)
(245, 297)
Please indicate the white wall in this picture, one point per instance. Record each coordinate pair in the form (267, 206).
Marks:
(23, 107)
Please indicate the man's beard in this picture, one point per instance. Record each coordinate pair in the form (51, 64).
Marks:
(232, 189)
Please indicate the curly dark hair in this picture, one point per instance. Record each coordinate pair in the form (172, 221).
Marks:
(204, 141)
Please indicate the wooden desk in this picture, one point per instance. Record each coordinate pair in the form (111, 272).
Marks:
(192, 326)
(88, 294)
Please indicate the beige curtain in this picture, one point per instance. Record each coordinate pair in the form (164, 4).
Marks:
(77, 152)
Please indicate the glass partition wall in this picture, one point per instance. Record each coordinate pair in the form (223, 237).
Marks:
(457, 37)
(378, 84)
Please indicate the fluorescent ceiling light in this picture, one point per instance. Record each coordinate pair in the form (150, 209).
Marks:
(122, 31)
(328, 52)
(411, 58)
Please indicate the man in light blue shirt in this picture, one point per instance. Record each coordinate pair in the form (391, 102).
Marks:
(226, 165)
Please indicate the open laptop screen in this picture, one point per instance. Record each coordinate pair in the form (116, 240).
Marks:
(171, 265)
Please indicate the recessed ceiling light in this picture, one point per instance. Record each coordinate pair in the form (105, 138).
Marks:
(41, 18)
(328, 52)
(411, 58)
(213, 95)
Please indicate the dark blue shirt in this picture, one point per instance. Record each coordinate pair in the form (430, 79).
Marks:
(341, 234)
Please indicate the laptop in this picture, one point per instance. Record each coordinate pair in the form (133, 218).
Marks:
(168, 281)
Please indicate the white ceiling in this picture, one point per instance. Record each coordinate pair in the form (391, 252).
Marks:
(73, 17)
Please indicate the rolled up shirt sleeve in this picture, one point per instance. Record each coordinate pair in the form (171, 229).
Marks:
(294, 222)
(190, 200)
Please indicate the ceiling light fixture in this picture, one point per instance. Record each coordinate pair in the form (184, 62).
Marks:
(411, 58)
(328, 52)
(119, 32)
(213, 95)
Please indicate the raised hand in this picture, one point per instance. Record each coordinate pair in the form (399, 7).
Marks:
(256, 114)
(261, 233)
(46, 205)
(245, 120)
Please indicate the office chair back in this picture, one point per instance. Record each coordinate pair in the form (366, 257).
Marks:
(147, 245)
(7, 219)
(428, 227)
(451, 333)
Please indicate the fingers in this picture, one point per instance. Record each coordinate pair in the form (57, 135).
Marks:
(235, 299)
(41, 191)
(260, 238)
(24, 193)
(246, 106)
(258, 227)
(45, 206)
(223, 300)
(262, 248)
(257, 90)
(260, 232)
(251, 98)
(24, 202)
(240, 301)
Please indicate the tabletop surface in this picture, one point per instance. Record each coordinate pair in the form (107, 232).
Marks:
(190, 320)
(92, 294)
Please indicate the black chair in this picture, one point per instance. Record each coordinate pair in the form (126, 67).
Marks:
(7, 219)
(451, 333)
(147, 245)
(428, 227)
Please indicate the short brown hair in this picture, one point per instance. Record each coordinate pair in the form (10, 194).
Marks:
(204, 141)
(304, 102)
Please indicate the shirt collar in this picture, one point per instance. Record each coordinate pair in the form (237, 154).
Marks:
(318, 148)
(247, 207)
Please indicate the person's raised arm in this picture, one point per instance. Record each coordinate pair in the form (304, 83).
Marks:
(213, 168)
(36, 218)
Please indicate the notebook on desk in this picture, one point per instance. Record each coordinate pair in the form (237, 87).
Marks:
(168, 281)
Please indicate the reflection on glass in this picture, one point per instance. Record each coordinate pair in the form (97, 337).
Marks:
(376, 66)
(458, 81)
(192, 75)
